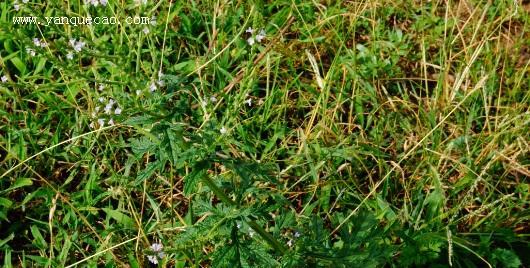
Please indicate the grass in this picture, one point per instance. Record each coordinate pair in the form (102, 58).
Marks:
(354, 134)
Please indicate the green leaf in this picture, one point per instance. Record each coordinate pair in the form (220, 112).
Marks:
(7, 239)
(387, 210)
(4, 202)
(120, 217)
(142, 145)
(173, 148)
(140, 120)
(40, 65)
(506, 258)
(21, 182)
(39, 239)
(148, 172)
(71, 92)
(7, 259)
(19, 64)
(191, 181)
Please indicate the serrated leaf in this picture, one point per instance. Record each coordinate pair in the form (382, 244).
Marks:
(191, 181)
(142, 145)
(140, 120)
(173, 146)
(148, 171)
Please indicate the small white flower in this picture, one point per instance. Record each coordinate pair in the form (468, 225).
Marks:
(36, 42)
(160, 82)
(16, 7)
(213, 99)
(204, 103)
(101, 99)
(91, 125)
(108, 107)
(249, 102)
(249, 30)
(101, 122)
(43, 44)
(77, 45)
(117, 111)
(251, 233)
(153, 20)
(261, 35)
(290, 243)
(152, 87)
(101, 87)
(97, 108)
(152, 259)
(111, 122)
(138, 92)
(238, 225)
(94, 2)
(93, 114)
(25, 1)
(158, 250)
(4, 78)
(296, 234)
(70, 55)
(250, 41)
(145, 30)
(223, 130)
(30, 51)
(103, 2)
(111, 102)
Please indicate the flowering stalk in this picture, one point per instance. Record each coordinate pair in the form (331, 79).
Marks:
(253, 224)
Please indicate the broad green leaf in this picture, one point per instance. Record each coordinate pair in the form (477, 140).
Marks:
(21, 182)
(19, 64)
(120, 217)
(4, 202)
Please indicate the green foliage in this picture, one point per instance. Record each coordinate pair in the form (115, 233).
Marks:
(330, 134)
